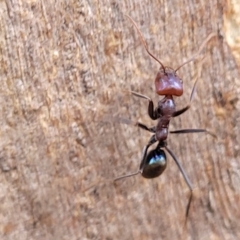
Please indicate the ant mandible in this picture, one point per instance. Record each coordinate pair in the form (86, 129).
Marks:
(167, 84)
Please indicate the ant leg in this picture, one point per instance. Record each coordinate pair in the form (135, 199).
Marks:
(180, 168)
(151, 112)
(181, 111)
(143, 126)
(141, 96)
(193, 131)
(125, 176)
(185, 178)
(188, 205)
(151, 141)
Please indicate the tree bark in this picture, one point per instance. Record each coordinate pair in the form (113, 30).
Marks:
(66, 71)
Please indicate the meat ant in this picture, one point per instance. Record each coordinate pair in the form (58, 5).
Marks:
(167, 84)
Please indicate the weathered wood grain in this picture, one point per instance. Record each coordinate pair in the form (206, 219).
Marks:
(66, 69)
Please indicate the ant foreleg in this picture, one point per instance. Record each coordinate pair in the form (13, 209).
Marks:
(181, 111)
(151, 112)
(141, 96)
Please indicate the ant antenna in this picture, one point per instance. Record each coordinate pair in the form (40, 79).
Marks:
(144, 42)
(210, 36)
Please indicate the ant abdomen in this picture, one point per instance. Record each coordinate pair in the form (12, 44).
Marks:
(155, 163)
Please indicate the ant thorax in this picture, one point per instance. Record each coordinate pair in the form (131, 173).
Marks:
(165, 109)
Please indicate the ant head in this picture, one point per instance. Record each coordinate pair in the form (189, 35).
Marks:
(168, 83)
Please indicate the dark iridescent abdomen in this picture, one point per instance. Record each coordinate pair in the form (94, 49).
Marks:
(155, 163)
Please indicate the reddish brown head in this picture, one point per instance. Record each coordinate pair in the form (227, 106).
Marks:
(168, 83)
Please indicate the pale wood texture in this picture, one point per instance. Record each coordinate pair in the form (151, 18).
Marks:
(66, 69)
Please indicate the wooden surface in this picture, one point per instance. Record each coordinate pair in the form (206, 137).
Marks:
(66, 69)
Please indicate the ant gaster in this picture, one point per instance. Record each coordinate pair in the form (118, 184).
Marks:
(167, 84)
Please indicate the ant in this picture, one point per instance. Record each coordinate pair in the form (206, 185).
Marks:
(167, 84)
